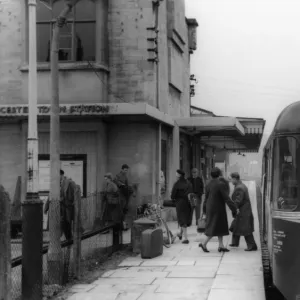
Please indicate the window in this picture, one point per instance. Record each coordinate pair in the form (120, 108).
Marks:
(77, 37)
(285, 181)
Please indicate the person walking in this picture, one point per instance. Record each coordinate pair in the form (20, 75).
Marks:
(243, 224)
(215, 211)
(180, 193)
(197, 184)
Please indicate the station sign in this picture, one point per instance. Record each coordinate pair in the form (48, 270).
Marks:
(65, 109)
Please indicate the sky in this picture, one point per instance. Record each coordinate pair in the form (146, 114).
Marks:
(247, 61)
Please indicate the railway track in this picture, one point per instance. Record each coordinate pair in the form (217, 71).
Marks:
(271, 291)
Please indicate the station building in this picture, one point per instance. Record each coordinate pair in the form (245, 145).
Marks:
(121, 102)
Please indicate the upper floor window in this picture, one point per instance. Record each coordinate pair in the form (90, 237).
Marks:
(77, 37)
(286, 173)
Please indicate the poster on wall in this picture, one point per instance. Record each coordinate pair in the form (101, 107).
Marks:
(72, 169)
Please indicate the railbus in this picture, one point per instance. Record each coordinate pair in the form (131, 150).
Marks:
(281, 202)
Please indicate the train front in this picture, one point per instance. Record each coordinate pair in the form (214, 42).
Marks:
(286, 203)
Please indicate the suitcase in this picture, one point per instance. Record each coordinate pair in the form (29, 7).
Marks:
(152, 243)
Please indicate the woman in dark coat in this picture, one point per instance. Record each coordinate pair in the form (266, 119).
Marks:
(180, 193)
(216, 197)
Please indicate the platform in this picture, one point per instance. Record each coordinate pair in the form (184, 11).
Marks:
(184, 272)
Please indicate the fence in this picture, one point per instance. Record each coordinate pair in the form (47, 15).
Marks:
(93, 238)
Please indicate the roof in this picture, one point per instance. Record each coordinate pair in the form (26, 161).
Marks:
(211, 125)
(253, 129)
(288, 120)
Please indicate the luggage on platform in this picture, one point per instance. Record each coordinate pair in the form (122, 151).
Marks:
(152, 243)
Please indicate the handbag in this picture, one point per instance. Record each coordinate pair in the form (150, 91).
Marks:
(201, 225)
(192, 200)
(233, 225)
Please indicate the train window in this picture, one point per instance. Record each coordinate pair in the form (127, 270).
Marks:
(285, 180)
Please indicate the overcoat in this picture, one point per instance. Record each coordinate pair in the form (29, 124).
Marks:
(113, 208)
(179, 194)
(244, 224)
(197, 184)
(216, 197)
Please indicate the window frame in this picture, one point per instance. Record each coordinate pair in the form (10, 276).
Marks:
(274, 173)
(70, 20)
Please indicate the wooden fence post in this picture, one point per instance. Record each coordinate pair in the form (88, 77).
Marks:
(77, 233)
(5, 246)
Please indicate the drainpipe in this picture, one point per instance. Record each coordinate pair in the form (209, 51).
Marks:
(158, 163)
(156, 26)
(158, 104)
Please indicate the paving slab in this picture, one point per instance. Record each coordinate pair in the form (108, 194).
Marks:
(174, 296)
(238, 282)
(190, 268)
(178, 285)
(122, 288)
(192, 274)
(135, 274)
(227, 294)
(154, 263)
(94, 296)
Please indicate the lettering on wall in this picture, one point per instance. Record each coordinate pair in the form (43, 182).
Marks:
(81, 109)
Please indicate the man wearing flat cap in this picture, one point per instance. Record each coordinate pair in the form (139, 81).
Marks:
(243, 225)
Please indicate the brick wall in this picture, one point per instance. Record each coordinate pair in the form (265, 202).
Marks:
(132, 77)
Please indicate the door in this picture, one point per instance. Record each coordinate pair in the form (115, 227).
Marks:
(74, 170)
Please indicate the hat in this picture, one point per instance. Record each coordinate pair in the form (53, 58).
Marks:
(125, 166)
(180, 172)
(62, 172)
(215, 172)
(235, 175)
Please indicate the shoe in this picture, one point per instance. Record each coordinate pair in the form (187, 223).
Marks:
(222, 249)
(251, 249)
(233, 245)
(179, 236)
(203, 248)
(185, 242)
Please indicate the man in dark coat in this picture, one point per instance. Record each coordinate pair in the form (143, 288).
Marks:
(243, 224)
(197, 184)
(125, 190)
(216, 198)
(67, 195)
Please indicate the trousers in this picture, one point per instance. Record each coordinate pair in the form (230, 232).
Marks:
(197, 208)
(248, 238)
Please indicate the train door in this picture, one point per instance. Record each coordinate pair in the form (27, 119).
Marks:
(268, 201)
(264, 193)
